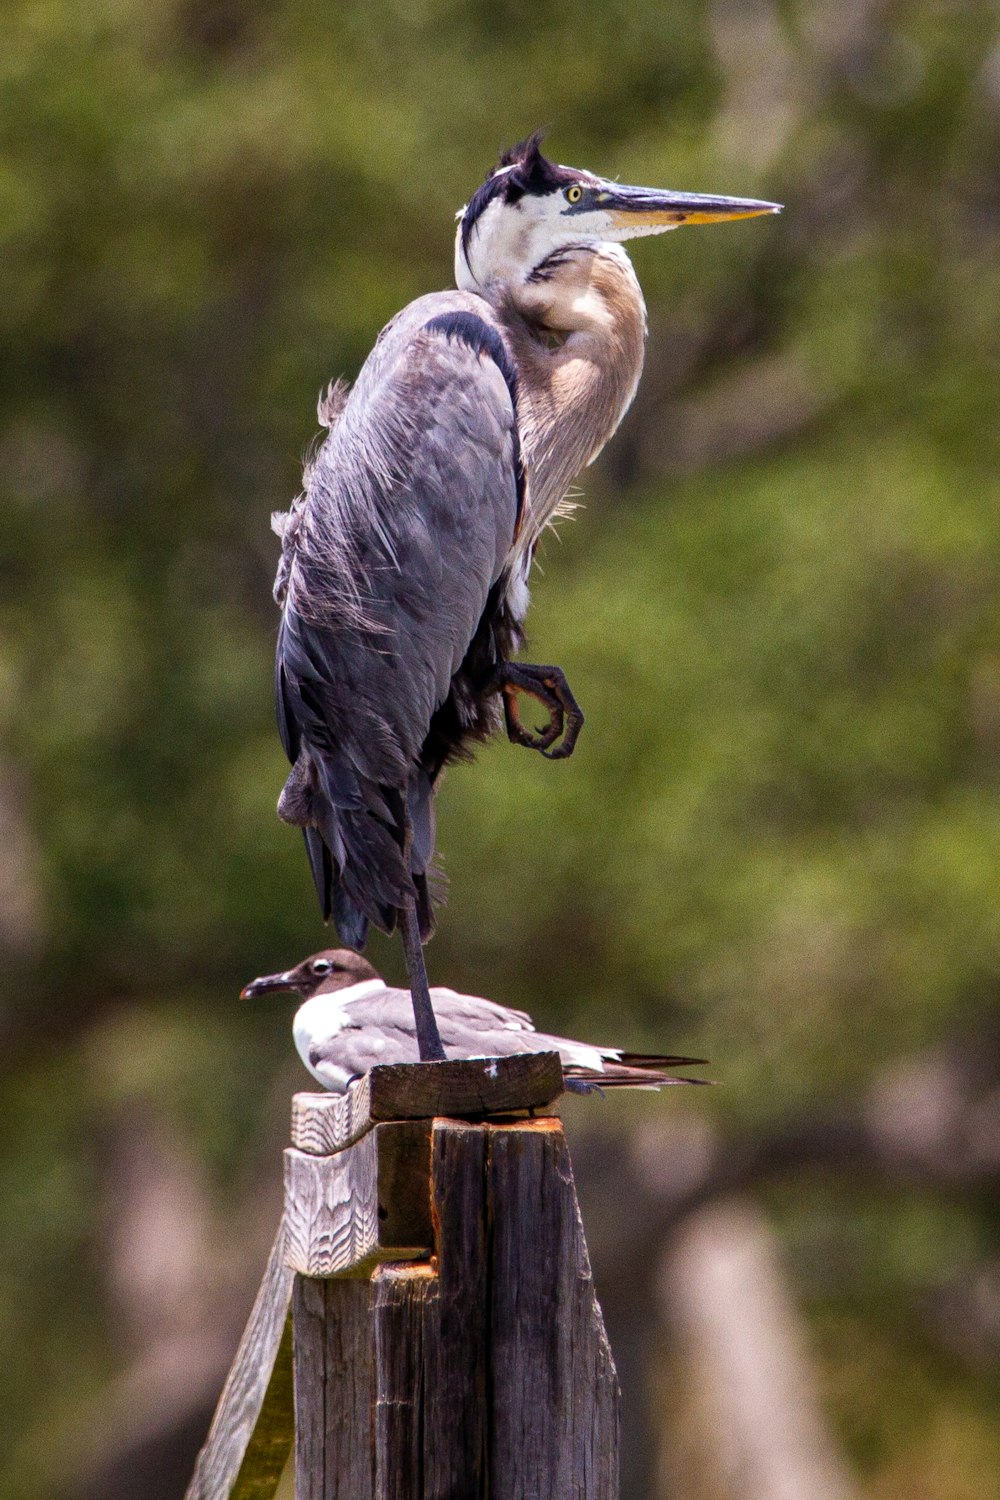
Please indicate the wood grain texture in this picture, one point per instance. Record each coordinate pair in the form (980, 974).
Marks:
(555, 1395)
(493, 1375)
(334, 1385)
(326, 1123)
(369, 1202)
(431, 1331)
(250, 1437)
(481, 1086)
(403, 1299)
(455, 1355)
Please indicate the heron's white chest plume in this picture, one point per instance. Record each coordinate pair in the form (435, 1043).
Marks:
(571, 398)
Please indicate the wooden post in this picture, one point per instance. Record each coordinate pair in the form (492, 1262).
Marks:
(447, 1341)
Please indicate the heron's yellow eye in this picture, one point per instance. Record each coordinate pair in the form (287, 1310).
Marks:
(574, 194)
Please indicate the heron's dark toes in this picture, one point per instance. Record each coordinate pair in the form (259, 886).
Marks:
(570, 713)
(539, 739)
(548, 686)
(570, 728)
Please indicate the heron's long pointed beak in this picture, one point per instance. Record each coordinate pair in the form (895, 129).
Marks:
(267, 984)
(638, 210)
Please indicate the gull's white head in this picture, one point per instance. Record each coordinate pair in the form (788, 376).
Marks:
(530, 209)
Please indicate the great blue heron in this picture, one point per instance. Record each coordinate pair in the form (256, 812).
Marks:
(404, 572)
(351, 1020)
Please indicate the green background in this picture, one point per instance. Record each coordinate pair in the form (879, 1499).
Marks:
(778, 842)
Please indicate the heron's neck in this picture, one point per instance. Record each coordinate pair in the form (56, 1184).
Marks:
(571, 397)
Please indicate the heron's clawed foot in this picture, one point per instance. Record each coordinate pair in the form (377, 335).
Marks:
(549, 687)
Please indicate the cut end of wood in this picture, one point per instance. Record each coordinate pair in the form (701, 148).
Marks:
(545, 1124)
(416, 1270)
(346, 1212)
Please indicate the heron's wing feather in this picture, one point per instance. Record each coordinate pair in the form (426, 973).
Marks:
(409, 515)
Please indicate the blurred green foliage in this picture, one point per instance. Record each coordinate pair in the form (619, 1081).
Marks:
(779, 839)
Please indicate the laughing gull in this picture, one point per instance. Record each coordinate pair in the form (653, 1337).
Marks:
(350, 1019)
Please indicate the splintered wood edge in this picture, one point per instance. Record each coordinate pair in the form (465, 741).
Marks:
(475, 1089)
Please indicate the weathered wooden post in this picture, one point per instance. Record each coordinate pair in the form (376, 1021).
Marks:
(447, 1340)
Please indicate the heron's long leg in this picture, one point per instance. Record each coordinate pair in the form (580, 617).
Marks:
(548, 686)
(428, 1036)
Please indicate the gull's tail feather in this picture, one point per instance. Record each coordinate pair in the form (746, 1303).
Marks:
(632, 1070)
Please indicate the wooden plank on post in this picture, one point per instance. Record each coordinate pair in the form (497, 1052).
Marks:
(325, 1123)
(555, 1394)
(333, 1389)
(479, 1086)
(368, 1203)
(250, 1437)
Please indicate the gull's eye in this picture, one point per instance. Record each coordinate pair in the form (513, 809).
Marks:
(574, 193)
(321, 966)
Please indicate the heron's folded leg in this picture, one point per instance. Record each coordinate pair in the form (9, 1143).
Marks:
(548, 686)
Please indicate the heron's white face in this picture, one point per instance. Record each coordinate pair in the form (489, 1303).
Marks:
(508, 240)
(514, 230)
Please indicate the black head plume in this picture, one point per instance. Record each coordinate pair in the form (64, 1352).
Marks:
(522, 169)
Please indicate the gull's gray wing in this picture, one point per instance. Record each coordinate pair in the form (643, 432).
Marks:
(380, 1029)
(410, 511)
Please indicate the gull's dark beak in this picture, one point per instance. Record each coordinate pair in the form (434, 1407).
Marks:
(639, 210)
(267, 984)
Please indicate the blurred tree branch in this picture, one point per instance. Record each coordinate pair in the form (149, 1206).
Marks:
(755, 1429)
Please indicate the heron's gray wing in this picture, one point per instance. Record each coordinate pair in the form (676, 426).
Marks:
(409, 514)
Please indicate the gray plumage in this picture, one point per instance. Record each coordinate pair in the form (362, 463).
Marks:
(388, 566)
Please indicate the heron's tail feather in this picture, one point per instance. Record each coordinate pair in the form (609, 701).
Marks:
(352, 924)
(322, 869)
(370, 847)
